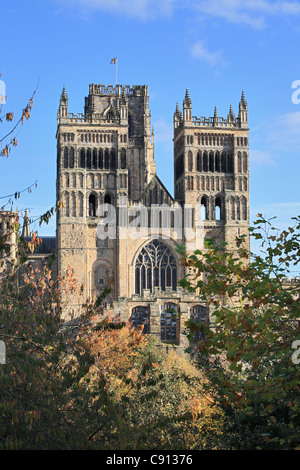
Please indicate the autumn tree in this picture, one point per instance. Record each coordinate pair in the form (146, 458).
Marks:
(248, 352)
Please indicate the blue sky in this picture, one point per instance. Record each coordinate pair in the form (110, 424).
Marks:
(214, 48)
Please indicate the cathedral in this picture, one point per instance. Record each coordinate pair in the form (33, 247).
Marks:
(119, 225)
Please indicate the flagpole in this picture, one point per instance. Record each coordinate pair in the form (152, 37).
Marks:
(115, 61)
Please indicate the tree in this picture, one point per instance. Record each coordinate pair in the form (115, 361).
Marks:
(248, 351)
(92, 382)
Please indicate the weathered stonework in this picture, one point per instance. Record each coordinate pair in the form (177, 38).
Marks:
(106, 156)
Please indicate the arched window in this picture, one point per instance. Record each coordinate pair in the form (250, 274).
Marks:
(92, 205)
(244, 207)
(80, 204)
(155, 267)
(67, 204)
(223, 162)
(199, 314)
(217, 162)
(190, 161)
(238, 208)
(94, 165)
(199, 161)
(123, 159)
(73, 205)
(239, 162)
(106, 159)
(71, 158)
(107, 199)
(101, 279)
(169, 322)
(204, 208)
(205, 161)
(110, 115)
(112, 159)
(66, 158)
(245, 162)
(232, 208)
(82, 158)
(100, 159)
(88, 159)
(218, 209)
(140, 316)
(211, 162)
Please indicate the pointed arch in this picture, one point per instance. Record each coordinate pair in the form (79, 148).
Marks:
(244, 210)
(155, 266)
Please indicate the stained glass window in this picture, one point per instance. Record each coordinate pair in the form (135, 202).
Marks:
(155, 267)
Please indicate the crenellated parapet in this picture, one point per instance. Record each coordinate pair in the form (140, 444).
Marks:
(186, 119)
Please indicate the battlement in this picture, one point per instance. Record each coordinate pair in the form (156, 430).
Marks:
(213, 122)
(102, 90)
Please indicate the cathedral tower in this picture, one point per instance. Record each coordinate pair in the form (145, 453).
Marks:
(211, 170)
(103, 154)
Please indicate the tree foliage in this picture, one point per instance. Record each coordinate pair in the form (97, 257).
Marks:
(92, 382)
(248, 352)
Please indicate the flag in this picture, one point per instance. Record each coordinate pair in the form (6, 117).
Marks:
(113, 61)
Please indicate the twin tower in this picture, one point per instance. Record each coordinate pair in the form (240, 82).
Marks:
(106, 166)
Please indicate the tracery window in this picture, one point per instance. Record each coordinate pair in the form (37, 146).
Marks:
(155, 267)
(141, 316)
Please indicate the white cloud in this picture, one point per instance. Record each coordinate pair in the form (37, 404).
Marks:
(280, 136)
(141, 9)
(213, 58)
(283, 133)
(250, 12)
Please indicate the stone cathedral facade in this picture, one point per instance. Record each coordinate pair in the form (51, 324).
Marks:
(106, 173)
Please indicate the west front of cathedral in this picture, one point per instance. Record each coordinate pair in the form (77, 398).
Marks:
(119, 225)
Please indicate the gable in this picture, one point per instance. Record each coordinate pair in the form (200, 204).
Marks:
(156, 193)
